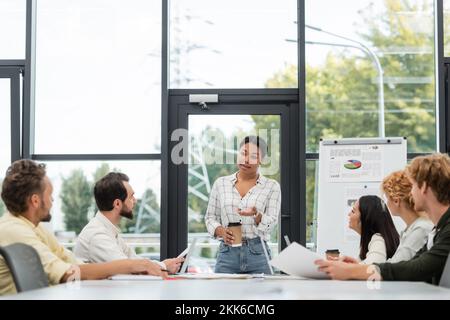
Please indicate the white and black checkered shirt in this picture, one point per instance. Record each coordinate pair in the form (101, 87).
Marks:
(225, 199)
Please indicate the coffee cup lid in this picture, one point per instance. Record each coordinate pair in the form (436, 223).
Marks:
(234, 224)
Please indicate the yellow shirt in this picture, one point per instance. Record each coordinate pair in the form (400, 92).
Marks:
(55, 259)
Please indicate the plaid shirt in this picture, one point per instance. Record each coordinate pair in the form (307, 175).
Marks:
(225, 199)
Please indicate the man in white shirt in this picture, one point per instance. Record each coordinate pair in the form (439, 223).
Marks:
(100, 239)
(27, 194)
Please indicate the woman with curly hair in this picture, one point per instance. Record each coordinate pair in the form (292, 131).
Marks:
(397, 189)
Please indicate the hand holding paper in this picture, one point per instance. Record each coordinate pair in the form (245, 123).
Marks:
(296, 260)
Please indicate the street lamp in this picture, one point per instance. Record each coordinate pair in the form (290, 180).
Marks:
(375, 60)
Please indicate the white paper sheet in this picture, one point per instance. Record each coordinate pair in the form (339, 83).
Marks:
(298, 261)
(283, 277)
(134, 277)
(355, 163)
(212, 276)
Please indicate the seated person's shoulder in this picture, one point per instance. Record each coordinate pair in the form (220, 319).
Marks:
(99, 238)
(87, 228)
(14, 229)
(11, 224)
(377, 238)
(446, 226)
(423, 224)
(102, 247)
(93, 227)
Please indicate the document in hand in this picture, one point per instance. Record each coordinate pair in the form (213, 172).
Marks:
(296, 260)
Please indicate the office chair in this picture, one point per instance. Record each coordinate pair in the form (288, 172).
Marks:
(25, 266)
(445, 277)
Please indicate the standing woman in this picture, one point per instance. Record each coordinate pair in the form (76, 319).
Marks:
(371, 219)
(397, 189)
(250, 198)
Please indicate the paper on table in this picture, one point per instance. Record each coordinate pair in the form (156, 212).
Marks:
(134, 277)
(296, 260)
(283, 277)
(207, 276)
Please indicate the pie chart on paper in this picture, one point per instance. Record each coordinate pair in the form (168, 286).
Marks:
(353, 164)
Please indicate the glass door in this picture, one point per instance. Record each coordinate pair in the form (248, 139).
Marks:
(213, 147)
(211, 142)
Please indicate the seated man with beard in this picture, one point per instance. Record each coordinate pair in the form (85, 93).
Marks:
(27, 194)
(100, 239)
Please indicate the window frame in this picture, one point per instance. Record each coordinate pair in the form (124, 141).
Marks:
(28, 129)
(240, 102)
(12, 71)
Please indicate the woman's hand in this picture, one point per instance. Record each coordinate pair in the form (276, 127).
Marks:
(249, 212)
(348, 259)
(345, 259)
(225, 234)
(339, 270)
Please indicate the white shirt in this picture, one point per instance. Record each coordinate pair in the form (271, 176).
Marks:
(430, 240)
(412, 239)
(376, 250)
(100, 241)
(225, 199)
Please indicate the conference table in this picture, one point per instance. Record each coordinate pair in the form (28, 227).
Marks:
(237, 289)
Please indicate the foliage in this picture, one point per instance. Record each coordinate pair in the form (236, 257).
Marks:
(78, 204)
(76, 197)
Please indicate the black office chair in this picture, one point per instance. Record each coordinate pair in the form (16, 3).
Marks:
(445, 277)
(25, 266)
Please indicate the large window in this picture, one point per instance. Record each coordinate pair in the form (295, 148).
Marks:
(98, 100)
(74, 203)
(383, 73)
(312, 176)
(232, 44)
(98, 76)
(370, 71)
(96, 103)
(12, 29)
(5, 130)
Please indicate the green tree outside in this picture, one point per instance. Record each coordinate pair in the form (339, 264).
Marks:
(99, 173)
(102, 171)
(76, 196)
(78, 204)
(341, 97)
(341, 94)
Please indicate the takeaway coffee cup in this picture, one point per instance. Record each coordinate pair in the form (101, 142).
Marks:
(332, 254)
(236, 228)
